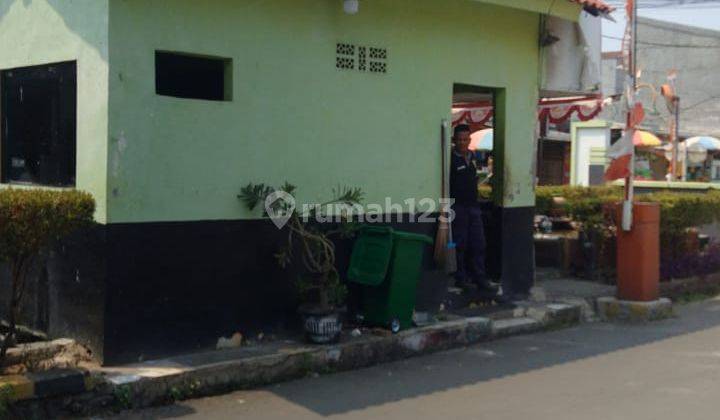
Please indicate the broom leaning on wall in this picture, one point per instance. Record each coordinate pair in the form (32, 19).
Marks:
(444, 245)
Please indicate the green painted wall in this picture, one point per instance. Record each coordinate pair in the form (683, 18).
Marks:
(294, 116)
(47, 31)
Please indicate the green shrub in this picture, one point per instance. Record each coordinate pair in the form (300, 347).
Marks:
(678, 213)
(593, 208)
(30, 220)
(684, 210)
(679, 210)
(6, 396)
(585, 198)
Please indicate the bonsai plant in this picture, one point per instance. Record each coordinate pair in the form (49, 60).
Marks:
(309, 245)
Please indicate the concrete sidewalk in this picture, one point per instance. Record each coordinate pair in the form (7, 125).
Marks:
(217, 372)
(555, 303)
(664, 370)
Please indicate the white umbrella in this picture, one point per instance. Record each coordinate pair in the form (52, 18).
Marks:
(706, 142)
(695, 153)
(482, 140)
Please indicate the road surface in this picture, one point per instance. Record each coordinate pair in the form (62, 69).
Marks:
(665, 370)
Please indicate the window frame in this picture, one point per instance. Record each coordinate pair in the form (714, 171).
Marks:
(5, 177)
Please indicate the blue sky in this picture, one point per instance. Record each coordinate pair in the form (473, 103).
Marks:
(706, 17)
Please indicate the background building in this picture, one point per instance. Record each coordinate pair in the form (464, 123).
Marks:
(663, 47)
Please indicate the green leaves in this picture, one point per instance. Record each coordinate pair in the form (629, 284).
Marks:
(308, 243)
(31, 219)
(253, 194)
(348, 196)
(593, 208)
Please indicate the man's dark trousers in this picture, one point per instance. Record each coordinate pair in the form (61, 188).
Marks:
(469, 237)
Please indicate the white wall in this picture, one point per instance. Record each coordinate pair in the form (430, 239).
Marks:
(586, 138)
(571, 65)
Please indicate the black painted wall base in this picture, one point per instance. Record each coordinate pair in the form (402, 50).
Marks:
(176, 287)
(518, 249)
(148, 290)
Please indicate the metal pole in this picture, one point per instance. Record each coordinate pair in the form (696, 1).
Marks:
(676, 141)
(673, 141)
(629, 181)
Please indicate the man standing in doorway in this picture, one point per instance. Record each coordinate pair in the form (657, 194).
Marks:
(468, 230)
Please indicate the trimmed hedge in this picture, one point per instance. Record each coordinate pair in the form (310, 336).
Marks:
(30, 220)
(578, 199)
(679, 211)
(593, 208)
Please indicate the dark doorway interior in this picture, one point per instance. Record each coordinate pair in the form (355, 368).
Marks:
(39, 124)
(475, 106)
(554, 162)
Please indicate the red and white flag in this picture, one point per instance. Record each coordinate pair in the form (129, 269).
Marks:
(621, 152)
(621, 155)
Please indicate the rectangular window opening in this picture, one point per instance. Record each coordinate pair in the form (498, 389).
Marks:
(38, 109)
(191, 76)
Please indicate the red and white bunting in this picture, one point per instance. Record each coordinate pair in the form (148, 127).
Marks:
(479, 115)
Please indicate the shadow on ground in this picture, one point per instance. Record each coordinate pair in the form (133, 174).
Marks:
(349, 391)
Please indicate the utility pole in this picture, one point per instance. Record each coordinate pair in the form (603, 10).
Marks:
(676, 146)
(676, 139)
(672, 100)
(631, 90)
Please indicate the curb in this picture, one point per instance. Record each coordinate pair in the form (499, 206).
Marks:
(252, 372)
(51, 383)
(283, 366)
(165, 381)
(612, 309)
(675, 289)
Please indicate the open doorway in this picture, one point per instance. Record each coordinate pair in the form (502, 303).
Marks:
(476, 108)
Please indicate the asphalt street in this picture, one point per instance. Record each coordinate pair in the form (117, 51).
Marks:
(665, 370)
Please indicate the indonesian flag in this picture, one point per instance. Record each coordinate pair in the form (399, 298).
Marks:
(622, 151)
(621, 154)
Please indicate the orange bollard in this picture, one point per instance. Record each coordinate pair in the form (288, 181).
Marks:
(638, 255)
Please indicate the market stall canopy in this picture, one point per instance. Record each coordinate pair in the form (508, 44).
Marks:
(482, 140)
(707, 143)
(695, 153)
(645, 139)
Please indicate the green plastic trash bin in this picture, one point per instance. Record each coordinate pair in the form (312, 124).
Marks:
(388, 265)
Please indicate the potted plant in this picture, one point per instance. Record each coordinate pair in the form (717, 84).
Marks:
(309, 245)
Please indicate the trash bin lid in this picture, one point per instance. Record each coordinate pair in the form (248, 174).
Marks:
(371, 255)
